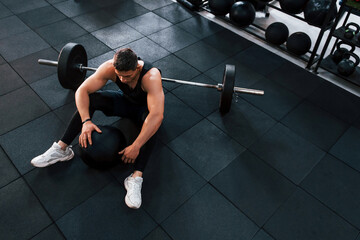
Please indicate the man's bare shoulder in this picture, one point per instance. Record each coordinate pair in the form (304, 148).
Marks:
(107, 70)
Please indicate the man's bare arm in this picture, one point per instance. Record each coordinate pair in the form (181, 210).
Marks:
(155, 101)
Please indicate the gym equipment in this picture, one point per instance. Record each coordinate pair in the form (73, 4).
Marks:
(103, 153)
(259, 6)
(298, 43)
(242, 13)
(349, 32)
(315, 12)
(339, 53)
(293, 6)
(346, 67)
(76, 72)
(277, 33)
(220, 7)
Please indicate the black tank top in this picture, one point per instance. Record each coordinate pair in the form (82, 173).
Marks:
(136, 95)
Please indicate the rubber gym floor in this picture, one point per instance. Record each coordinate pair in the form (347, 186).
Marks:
(281, 166)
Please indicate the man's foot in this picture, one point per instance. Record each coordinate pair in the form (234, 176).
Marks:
(53, 155)
(133, 188)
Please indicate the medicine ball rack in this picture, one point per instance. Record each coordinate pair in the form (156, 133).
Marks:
(310, 59)
(326, 62)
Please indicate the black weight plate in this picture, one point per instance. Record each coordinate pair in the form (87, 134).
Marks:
(69, 74)
(227, 89)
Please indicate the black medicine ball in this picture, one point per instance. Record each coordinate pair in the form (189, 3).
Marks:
(220, 7)
(316, 11)
(242, 13)
(103, 153)
(277, 33)
(293, 6)
(298, 43)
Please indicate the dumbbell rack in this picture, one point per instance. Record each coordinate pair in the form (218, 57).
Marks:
(326, 62)
(311, 58)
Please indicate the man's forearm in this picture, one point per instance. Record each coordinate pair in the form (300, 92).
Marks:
(149, 128)
(82, 103)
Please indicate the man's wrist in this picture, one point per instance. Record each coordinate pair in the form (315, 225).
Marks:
(86, 120)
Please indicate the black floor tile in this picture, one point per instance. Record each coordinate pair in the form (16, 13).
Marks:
(347, 148)
(228, 42)
(199, 27)
(60, 32)
(206, 56)
(173, 38)
(174, 13)
(260, 59)
(244, 122)
(147, 50)
(55, 186)
(105, 3)
(49, 233)
(4, 11)
(29, 68)
(95, 20)
(20, 106)
(164, 191)
(55, 1)
(173, 67)
(2, 60)
(52, 93)
(7, 170)
(148, 23)
(20, 6)
(203, 100)
(337, 186)
(262, 235)
(125, 10)
(157, 234)
(290, 154)
(315, 125)
(303, 217)
(10, 80)
(153, 4)
(92, 45)
(21, 213)
(174, 123)
(244, 76)
(21, 45)
(107, 211)
(249, 184)
(296, 79)
(12, 25)
(336, 101)
(114, 36)
(277, 101)
(42, 132)
(206, 216)
(75, 8)
(206, 149)
(42, 16)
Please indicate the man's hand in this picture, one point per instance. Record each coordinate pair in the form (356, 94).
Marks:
(86, 131)
(130, 153)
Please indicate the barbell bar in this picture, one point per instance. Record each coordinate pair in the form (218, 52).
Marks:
(72, 67)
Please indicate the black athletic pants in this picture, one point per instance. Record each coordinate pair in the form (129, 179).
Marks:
(113, 103)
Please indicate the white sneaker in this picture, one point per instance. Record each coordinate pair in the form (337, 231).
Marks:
(53, 155)
(133, 188)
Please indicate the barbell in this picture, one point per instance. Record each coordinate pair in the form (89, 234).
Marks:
(72, 67)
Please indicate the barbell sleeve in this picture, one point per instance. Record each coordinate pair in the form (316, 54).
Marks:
(218, 87)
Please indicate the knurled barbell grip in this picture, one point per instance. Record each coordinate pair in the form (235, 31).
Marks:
(248, 91)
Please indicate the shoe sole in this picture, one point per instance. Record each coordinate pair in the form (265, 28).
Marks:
(127, 200)
(54, 161)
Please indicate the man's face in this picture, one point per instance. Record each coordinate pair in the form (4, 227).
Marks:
(126, 76)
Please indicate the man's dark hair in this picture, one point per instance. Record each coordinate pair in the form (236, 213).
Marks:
(125, 59)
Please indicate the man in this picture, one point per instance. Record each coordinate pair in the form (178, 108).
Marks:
(141, 98)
